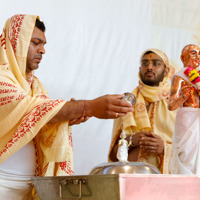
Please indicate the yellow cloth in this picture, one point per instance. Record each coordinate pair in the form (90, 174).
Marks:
(25, 107)
(158, 119)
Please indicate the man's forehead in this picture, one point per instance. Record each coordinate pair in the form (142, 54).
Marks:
(151, 56)
(37, 33)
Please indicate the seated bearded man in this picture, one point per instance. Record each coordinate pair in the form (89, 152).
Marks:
(150, 127)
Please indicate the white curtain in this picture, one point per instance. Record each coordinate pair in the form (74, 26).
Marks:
(93, 48)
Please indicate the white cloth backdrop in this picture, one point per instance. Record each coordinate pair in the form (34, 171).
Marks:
(93, 48)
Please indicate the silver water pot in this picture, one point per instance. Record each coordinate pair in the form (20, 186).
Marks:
(125, 167)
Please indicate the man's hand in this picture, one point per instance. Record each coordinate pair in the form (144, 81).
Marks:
(108, 107)
(79, 120)
(151, 143)
(137, 137)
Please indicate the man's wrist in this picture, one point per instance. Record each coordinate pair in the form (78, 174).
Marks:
(88, 108)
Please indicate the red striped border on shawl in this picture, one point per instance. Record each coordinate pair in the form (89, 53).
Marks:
(70, 140)
(66, 167)
(3, 39)
(3, 83)
(29, 122)
(39, 171)
(15, 24)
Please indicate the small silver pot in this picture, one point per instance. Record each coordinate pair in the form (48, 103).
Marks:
(125, 167)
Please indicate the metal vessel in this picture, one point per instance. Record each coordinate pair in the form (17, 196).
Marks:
(130, 98)
(125, 167)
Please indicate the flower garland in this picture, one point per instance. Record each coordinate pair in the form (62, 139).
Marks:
(194, 76)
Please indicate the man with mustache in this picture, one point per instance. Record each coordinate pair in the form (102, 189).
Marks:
(36, 137)
(184, 96)
(150, 127)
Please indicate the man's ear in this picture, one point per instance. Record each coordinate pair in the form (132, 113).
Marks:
(166, 71)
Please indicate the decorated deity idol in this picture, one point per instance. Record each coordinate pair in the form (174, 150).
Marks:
(184, 96)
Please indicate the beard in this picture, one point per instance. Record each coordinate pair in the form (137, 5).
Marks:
(153, 82)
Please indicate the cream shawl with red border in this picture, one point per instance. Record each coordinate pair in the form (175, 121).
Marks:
(25, 107)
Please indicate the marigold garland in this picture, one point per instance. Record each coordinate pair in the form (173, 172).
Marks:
(194, 76)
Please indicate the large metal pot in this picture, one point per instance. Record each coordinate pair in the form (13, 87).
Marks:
(124, 167)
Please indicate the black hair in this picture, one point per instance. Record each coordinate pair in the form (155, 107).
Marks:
(148, 52)
(40, 25)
